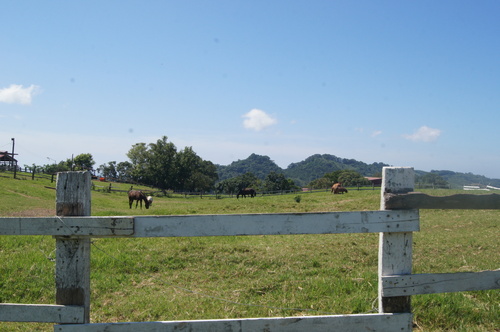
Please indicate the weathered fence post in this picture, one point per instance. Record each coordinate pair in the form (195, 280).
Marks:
(395, 249)
(73, 253)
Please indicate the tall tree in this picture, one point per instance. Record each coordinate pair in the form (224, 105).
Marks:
(108, 170)
(83, 161)
(161, 169)
(277, 182)
(138, 156)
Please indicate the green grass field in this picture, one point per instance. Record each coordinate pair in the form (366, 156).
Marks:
(248, 276)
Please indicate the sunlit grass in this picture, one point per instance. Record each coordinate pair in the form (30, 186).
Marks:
(227, 277)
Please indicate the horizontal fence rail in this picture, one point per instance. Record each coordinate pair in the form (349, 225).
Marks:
(459, 201)
(432, 283)
(344, 323)
(41, 313)
(216, 225)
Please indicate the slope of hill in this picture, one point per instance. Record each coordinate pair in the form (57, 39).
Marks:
(260, 166)
(316, 166)
(457, 180)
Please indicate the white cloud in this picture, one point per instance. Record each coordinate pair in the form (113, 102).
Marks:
(258, 120)
(17, 94)
(424, 134)
(376, 133)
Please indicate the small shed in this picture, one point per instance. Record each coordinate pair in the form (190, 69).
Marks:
(6, 158)
(375, 181)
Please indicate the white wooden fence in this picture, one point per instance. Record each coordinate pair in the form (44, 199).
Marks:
(396, 221)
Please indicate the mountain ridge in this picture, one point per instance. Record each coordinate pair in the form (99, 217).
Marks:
(317, 165)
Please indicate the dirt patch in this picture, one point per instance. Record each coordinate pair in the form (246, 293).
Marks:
(37, 212)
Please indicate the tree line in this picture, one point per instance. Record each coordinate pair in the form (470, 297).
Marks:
(162, 166)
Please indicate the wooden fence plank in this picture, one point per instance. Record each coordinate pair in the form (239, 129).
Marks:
(277, 224)
(344, 323)
(459, 201)
(395, 249)
(73, 253)
(402, 285)
(216, 225)
(68, 226)
(41, 313)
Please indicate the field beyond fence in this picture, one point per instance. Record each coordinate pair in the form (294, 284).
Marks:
(252, 276)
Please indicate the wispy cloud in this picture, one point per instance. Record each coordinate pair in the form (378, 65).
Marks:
(424, 134)
(257, 120)
(17, 94)
(376, 133)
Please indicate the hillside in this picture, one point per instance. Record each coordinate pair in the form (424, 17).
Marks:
(316, 166)
(260, 166)
(460, 179)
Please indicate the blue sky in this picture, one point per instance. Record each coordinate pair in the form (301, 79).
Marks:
(407, 83)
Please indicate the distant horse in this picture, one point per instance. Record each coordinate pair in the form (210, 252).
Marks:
(137, 195)
(341, 190)
(335, 187)
(150, 200)
(247, 191)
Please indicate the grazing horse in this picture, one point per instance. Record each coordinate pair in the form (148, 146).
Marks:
(150, 200)
(245, 192)
(335, 187)
(137, 195)
(341, 190)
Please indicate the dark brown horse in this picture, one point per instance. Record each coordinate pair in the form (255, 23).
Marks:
(247, 191)
(137, 195)
(341, 190)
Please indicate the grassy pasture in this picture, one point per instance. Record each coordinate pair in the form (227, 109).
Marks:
(249, 276)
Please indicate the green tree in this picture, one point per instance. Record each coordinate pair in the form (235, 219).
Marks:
(333, 176)
(84, 161)
(161, 169)
(160, 165)
(350, 178)
(124, 170)
(62, 166)
(108, 170)
(194, 173)
(235, 184)
(138, 156)
(323, 182)
(277, 182)
(433, 179)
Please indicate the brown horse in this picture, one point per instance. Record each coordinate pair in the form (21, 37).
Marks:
(137, 195)
(341, 190)
(247, 191)
(335, 187)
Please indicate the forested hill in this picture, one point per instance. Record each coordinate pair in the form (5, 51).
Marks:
(314, 167)
(260, 166)
(464, 179)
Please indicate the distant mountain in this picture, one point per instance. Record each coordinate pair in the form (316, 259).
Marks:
(316, 166)
(457, 180)
(260, 166)
(301, 173)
